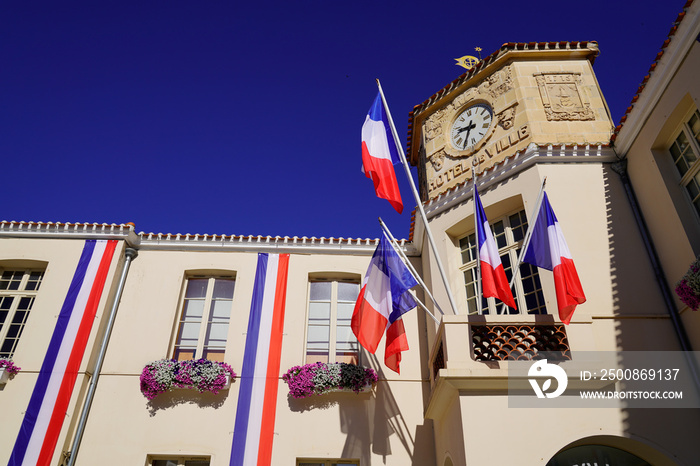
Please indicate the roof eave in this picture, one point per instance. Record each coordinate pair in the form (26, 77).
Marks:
(682, 36)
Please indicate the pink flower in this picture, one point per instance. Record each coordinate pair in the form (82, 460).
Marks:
(319, 378)
(9, 366)
(201, 374)
(688, 288)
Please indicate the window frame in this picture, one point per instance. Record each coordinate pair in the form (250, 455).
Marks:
(181, 460)
(690, 177)
(333, 319)
(206, 314)
(19, 293)
(511, 249)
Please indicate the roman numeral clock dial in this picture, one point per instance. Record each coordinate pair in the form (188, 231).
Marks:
(471, 126)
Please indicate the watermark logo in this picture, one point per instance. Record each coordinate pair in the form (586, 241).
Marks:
(604, 379)
(551, 371)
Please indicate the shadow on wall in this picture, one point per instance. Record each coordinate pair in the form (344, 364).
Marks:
(644, 326)
(381, 419)
(369, 420)
(326, 401)
(177, 397)
(630, 270)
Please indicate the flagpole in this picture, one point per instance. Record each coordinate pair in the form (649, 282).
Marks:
(415, 275)
(419, 204)
(426, 310)
(413, 271)
(475, 165)
(528, 237)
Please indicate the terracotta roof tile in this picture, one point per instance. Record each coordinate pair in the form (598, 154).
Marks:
(413, 225)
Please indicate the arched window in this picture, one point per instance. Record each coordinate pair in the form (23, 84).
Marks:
(329, 337)
(508, 232)
(685, 152)
(204, 319)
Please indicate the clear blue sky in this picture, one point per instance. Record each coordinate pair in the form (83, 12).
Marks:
(244, 117)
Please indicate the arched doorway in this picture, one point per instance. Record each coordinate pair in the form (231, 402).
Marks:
(596, 455)
(611, 450)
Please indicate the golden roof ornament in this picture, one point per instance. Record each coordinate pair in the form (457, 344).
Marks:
(469, 61)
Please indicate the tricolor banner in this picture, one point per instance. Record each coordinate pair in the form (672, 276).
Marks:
(48, 404)
(257, 400)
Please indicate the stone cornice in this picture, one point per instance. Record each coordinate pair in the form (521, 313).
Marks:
(271, 244)
(195, 242)
(534, 154)
(12, 229)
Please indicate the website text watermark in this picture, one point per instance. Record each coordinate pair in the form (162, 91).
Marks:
(631, 395)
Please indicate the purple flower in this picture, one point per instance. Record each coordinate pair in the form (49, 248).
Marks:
(201, 374)
(319, 378)
(688, 288)
(9, 366)
(687, 295)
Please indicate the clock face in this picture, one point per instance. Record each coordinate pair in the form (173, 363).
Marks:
(471, 126)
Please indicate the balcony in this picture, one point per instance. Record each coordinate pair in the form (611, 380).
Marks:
(518, 342)
(472, 353)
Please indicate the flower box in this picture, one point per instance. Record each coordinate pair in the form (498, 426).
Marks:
(200, 374)
(7, 369)
(225, 386)
(364, 389)
(320, 378)
(688, 288)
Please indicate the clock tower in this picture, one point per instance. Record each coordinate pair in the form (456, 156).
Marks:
(526, 93)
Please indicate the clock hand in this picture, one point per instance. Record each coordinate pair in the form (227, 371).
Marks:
(469, 128)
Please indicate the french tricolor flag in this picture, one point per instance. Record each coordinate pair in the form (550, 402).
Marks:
(380, 154)
(52, 393)
(548, 250)
(493, 277)
(257, 400)
(383, 299)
